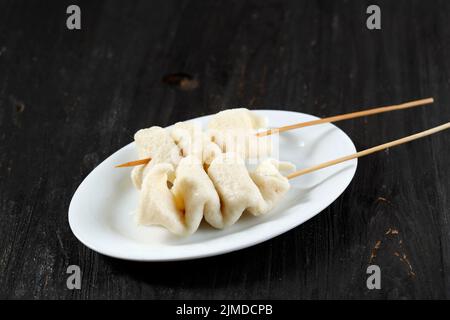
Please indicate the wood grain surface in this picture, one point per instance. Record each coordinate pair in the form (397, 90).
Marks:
(68, 99)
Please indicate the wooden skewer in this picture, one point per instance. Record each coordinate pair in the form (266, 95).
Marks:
(337, 118)
(371, 150)
(134, 163)
(346, 116)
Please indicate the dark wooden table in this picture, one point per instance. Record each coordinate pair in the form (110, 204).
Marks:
(68, 99)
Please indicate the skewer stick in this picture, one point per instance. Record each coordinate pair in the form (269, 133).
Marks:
(371, 150)
(134, 163)
(406, 105)
(337, 118)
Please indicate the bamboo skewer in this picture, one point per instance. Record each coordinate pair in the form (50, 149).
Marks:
(134, 163)
(352, 115)
(337, 118)
(371, 150)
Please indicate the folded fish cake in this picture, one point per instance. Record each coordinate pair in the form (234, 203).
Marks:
(177, 192)
(271, 183)
(193, 141)
(157, 144)
(157, 204)
(236, 189)
(221, 196)
(243, 142)
(234, 130)
(182, 208)
(189, 137)
(195, 194)
(239, 118)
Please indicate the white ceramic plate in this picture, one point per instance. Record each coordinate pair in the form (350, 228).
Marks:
(102, 208)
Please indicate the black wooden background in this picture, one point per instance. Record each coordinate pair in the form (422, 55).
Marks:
(68, 99)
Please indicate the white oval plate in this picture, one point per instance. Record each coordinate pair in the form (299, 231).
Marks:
(101, 210)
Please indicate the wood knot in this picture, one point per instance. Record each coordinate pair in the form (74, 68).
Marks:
(181, 80)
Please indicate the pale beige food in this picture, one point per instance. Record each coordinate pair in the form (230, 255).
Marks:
(197, 174)
(271, 183)
(189, 137)
(221, 196)
(193, 141)
(243, 142)
(234, 130)
(181, 208)
(236, 189)
(239, 118)
(157, 204)
(157, 144)
(195, 193)
(231, 130)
